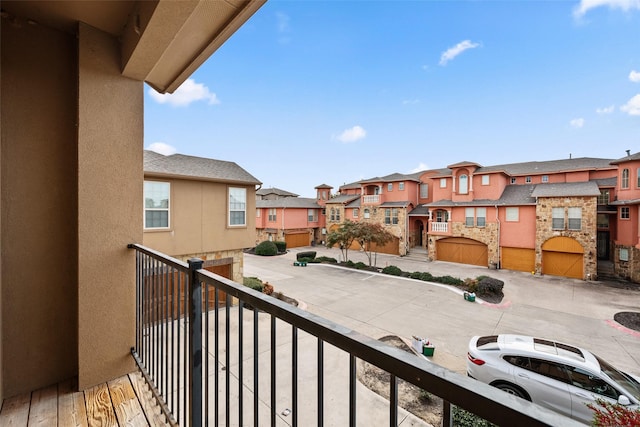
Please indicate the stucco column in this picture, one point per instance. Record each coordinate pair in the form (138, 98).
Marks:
(110, 130)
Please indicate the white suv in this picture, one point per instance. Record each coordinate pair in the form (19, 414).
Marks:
(557, 376)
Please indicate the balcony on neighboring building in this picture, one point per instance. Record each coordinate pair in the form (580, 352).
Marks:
(439, 227)
(255, 360)
(373, 199)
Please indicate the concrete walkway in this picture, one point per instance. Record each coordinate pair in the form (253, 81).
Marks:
(573, 311)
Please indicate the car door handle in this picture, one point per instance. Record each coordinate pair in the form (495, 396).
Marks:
(584, 396)
(523, 375)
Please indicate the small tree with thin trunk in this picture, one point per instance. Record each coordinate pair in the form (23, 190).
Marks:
(370, 235)
(343, 237)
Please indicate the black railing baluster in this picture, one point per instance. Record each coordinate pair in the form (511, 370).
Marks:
(216, 359)
(320, 383)
(205, 352)
(255, 367)
(294, 375)
(195, 345)
(393, 401)
(273, 370)
(227, 360)
(352, 390)
(240, 339)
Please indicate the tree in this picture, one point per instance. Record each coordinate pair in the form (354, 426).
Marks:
(343, 237)
(370, 235)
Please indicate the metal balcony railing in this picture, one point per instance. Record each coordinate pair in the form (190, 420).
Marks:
(243, 362)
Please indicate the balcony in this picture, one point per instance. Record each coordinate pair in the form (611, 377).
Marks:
(439, 227)
(373, 199)
(254, 360)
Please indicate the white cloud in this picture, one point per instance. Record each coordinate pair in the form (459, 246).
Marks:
(606, 110)
(577, 123)
(283, 22)
(586, 5)
(632, 107)
(188, 92)
(452, 52)
(352, 135)
(162, 148)
(421, 167)
(634, 76)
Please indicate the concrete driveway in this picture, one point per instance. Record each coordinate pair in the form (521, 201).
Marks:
(572, 311)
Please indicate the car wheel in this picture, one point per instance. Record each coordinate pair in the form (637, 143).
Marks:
(516, 391)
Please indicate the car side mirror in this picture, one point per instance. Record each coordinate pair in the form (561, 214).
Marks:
(624, 400)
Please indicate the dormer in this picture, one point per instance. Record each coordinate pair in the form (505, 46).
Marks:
(323, 192)
(462, 174)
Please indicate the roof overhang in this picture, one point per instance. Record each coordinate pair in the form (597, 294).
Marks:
(162, 41)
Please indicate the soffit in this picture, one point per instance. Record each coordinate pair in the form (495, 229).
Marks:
(162, 41)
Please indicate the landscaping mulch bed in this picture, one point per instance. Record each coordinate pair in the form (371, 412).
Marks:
(628, 319)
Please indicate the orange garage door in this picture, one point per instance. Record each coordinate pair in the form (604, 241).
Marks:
(462, 250)
(297, 240)
(563, 256)
(519, 259)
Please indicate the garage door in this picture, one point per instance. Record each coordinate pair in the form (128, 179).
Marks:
(462, 250)
(297, 240)
(392, 247)
(519, 259)
(563, 256)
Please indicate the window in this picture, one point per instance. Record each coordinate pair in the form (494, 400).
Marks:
(443, 182)
(156, 204)
(356, 212)
(624, 212)
(366, 213)
(512, 214)
(638, 178)
(575, 218)
(513, 180)
(442, 216)
(549, 369)
(387, 216)
(272, 215)
(424, 191)
(468, 214)
(623, 254)
(394, 216)
(602, 221)
(237, 206)
(481, 217)
(390, 186)
(527, 180)
(312, 215)
(485, 179)
(401, 186)
(625, 178)
(545, 178)
(557, 222)
(337, 214)
(463, 185)
(603, 198)
(333, 214)
(587, 381)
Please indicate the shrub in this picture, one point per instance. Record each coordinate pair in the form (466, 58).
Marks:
(448, 280)
(426, 276)
(306, 254)
(361, 266)
(282, 246)
(392, 270)
(326, 259)
(489, 285)
(266, 248)
(349, 263)
(416, 275)
(464, 418)
(306, 260)
(253, 283)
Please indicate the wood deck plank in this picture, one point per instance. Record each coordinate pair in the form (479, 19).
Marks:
(15, 411)
(125, 402)
(151, 409)
(44, 407)
(71, 409)
(99, 408)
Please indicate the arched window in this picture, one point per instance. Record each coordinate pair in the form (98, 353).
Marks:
(463, 184)
(366, 213)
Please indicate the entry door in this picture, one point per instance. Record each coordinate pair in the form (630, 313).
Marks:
(603, 245)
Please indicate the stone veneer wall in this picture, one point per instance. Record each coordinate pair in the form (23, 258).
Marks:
(238, 261)
(377, 215)
(586, 236)
(629, 270)
(487, 235)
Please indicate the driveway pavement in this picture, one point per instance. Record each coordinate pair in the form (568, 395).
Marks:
(568, 310)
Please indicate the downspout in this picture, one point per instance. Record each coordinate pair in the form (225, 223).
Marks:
(498, 248)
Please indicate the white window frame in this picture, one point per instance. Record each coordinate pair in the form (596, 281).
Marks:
(401, 186)
(237, 199)
(557, 214)
(356, 212)
(625, 212)
(545, 178)
(624, 181)
(623, 254)
(513, 179)
(147, 188)
(527, 180)
(481, 217)
(258, 213)
(463, 184)
(387, 216)
(512, 214)
(574, 218)
(312, 215)
(424, 191)
(389, 187)
(485, 179)
(273, 215)
(367, 213)
(394, 216)
(443, 182)
(469, 214)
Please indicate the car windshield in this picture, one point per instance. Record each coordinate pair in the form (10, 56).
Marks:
(628, 382)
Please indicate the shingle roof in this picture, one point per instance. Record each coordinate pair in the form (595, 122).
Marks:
(321, 186)
(513, 195)
(567, 189)
(420, 210)
(273, 190)
(343, 198)
(606, 182)
(628, 158)
(288, 202)
(181, 166)
(402, 204)
(354, 204)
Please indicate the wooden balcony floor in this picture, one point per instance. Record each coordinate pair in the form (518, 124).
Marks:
(126, 401)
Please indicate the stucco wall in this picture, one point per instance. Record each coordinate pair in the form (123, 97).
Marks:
(39, 207)
(109, 207)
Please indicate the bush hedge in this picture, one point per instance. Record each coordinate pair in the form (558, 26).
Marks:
(266, 248)
(253, 283)
(306, 254)
(392, 270)
(282, 246)
(326, 259)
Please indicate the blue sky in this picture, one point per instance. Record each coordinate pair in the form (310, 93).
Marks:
(311, 92)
